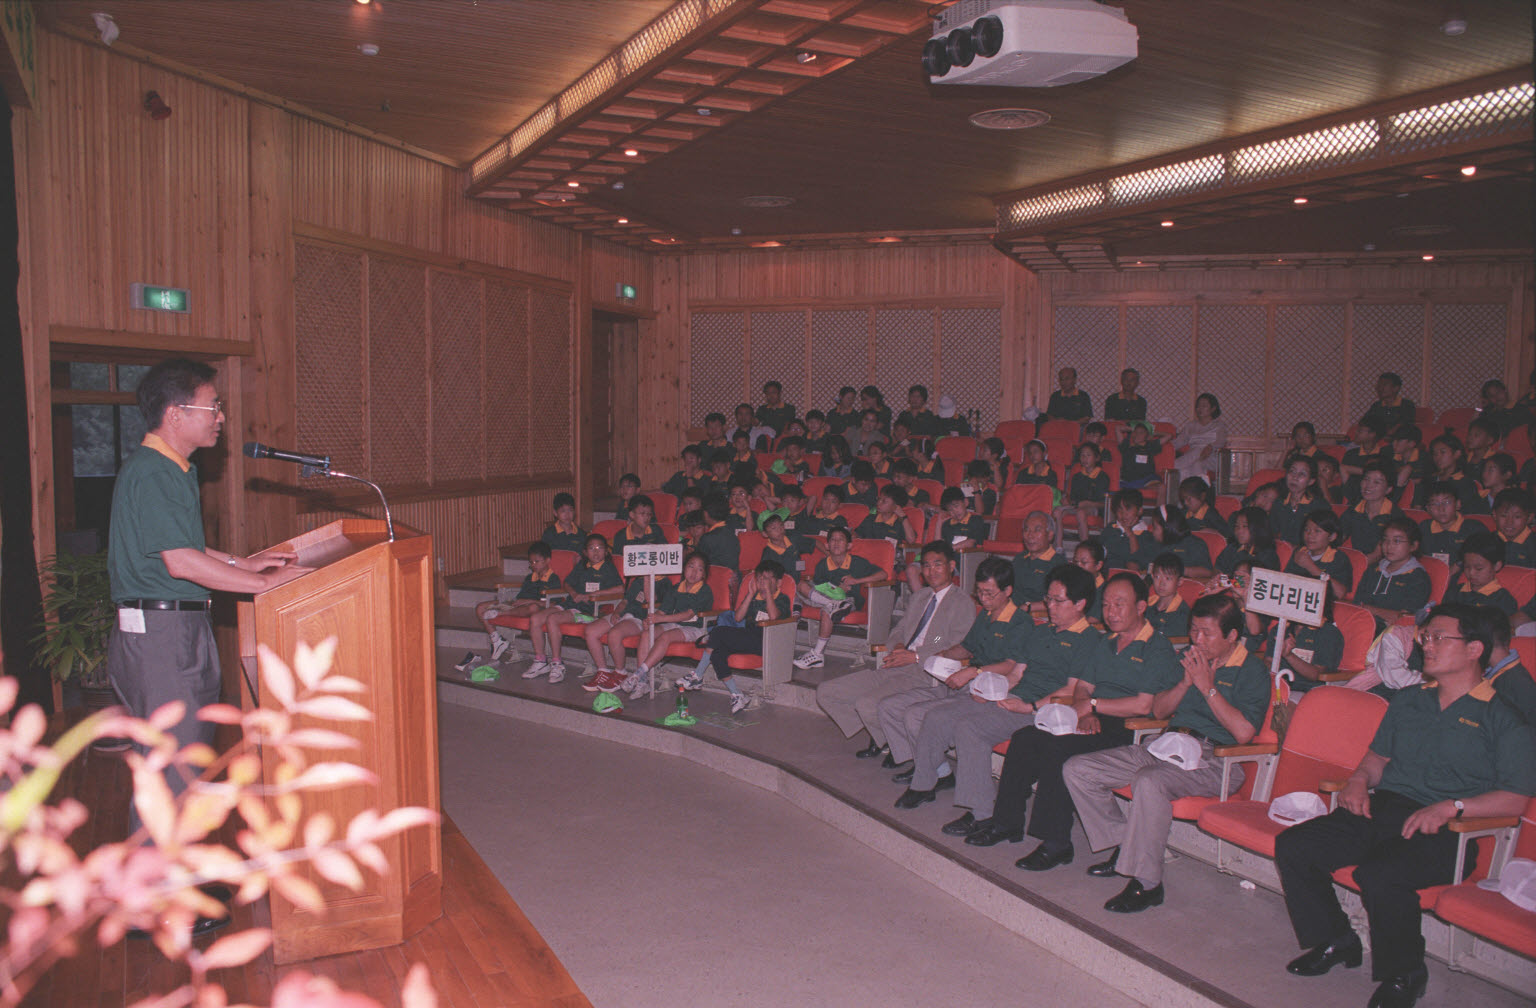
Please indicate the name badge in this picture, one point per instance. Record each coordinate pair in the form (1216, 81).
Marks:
(130, 620)
(591, 587)
(1305, 654)
(1141, 460)
(957, 540)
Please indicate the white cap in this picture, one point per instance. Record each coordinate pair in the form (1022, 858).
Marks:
(990, 685)
(1296, 807)
(941, 668)
(947, 406)
(1181, 750)
(1058, 719)
(1517, 883)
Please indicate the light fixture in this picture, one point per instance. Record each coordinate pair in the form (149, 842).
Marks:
(1300, 201)
(1469, 170)
(106, 26)
(1427, 258)
(622, 220)
(1454, 26)
(1009, 119)
(618, 185)
(631, 152)
(704, 111)
(364, 3)
(1167, 223)
(368, 49)
(574, 185)
(735, 230)
(805, 57)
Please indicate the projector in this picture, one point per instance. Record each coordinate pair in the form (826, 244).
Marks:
(1035, 43)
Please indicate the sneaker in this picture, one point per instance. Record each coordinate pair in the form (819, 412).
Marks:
(640, 687)
(499, 646)
(739, 702)
(556, 672)
(608, 680)
(843, 607)
(597, 680)
(538, 668)
(811, 659)
(468, 663)
(691, 681)
(588, 672)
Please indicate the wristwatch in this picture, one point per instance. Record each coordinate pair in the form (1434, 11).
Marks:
(1211, 692)
(1093, 704)
(1461, 807)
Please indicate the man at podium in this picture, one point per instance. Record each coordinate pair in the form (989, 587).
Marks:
(161, 569)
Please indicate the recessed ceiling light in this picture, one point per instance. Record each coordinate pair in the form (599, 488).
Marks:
(364, 3)
(619, 184)
(735, 230)
(622, 220)
(631, 152)
(368, 49)
(574, 185)
(1300, 201)
(704, 111)
(1427, 258)
(767, 244)
(1010, 119)
(1167, 223)
(767, 202)
(805, 57)
(1454, 26)
(1469, 170)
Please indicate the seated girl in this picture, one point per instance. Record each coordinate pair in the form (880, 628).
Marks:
(1168, 533)
(1086, 489)
(1398, 584)
(1319, 555)
(1199, 502)
(1251, 541)
(593, 574)
(1036, 470)
(1301, 499)
(678, 619)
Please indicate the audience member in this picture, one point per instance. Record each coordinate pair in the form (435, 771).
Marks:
(775, 413)
(1199, 444)
(1126, 405)
(1068, 402)
(1390, 410)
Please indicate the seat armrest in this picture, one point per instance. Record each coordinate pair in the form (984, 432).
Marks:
(1481, 824)
(1339, 676)
(779, 622)
(1251, 749)
(1332, 786)
(1146, 724)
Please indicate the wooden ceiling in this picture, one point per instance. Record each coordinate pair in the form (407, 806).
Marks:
(858, 139)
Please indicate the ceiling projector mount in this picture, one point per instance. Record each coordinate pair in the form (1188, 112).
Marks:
(1029, 43)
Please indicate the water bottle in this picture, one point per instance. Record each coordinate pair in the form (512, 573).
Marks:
(682, 702)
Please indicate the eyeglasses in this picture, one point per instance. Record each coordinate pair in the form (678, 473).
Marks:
(216, 408)
(1057, 600)
(1436, 638)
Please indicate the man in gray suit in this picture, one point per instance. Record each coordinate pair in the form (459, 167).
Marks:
(937, 617)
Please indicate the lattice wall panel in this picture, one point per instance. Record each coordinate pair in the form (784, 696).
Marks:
(1087, 338)
(778, 354)
(509, 384)
(971, 361)
(329, 356)
(458, 398)
(903, 352)
(1385, 337)
(1231, 364)
(1308, 367)
(1159, 342)
(397, 360)
(1466, 349)
(839, 355)
(717, 350)
(549, 366)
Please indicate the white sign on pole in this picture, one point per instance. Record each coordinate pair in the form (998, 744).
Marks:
(1288, 596)
(666, 558)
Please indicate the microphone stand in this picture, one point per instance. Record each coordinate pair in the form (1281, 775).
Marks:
(389, 522)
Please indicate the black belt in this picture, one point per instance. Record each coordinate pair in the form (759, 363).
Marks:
(175, 605)
(1190, 731)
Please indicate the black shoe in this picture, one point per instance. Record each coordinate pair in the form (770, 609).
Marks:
(1106, 869)
(1401, 991)
(200, 927)
(872, 750)
(889, 763)
(1134, 899)
(1041, 859)
(905, 777)
(945, 783)
(911, 799)
(1325, 957)
(988, 834)
(964, 826)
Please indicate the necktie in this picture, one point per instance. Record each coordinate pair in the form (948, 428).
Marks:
(922, 624)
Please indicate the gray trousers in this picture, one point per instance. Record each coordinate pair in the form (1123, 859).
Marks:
(901, 715)
(973, 728)
(1142, 832)
(852, 701)
(174, 659)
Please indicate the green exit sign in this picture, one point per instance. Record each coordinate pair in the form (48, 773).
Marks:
(152, 298)
(625, 292)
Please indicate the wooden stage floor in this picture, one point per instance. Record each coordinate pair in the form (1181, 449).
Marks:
(482, 953)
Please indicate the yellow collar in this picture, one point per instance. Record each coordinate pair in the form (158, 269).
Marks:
(1237, 656)
(1145, 633)
(157, 442)
(1078, 627)
(1521, 538)
(1455, 526)
(1049, 554)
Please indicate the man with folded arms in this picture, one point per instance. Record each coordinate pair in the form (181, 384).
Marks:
(1134, 663)
(937, 617)
(1054, 656)
(1448, 749)
(1219, 700)
(995, 643)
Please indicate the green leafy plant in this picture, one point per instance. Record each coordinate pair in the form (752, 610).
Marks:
(150, 881)
(77, 618)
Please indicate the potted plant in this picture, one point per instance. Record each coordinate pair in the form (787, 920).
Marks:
(77, 620)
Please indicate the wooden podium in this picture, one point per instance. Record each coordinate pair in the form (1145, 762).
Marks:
(375, 596)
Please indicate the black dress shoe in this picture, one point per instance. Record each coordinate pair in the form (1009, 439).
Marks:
(1401, 991)
(911, 799)
(1134, 899)
(905, 777)
(1325, 957)
(889, 763)
(1041, 859)
(872, 750)
(1106, 869)
(963, 826)
(988, 834)
(945, 783)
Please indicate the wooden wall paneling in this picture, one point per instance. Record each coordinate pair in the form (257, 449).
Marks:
(1384, 337)
(332, 355)
(456, 327)
(1026, 338)
(33, 229)
(1308, 358)
(1086, 338)
(903, 351)
(347, 183)
(1163, 336)
(399, 399)
(509, 382)
(1231, 364)
(839, 353)
(778, 348)
(666, 374)
(1467, 344)
(969, 360)
(550, 363)
(717, 348)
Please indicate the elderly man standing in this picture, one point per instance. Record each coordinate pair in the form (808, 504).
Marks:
(1219, 700)
(937, 617)
(1449, 748)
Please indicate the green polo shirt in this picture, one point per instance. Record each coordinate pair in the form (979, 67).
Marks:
(652, 536)
(720, 547)
(1521, 550)
(974, 527)
(679, 600)
(1513, 682)
(1173, 623)
(534, 586)
(1476, 745)
(574, 541)
(1243, 680)
(1002, 638)
(1148, 664)
(585, 579)
(855, 567)
(1030, 572)
(155, 508)
(1492, 593)
(1406, 591)
(1051, 657)
(1333, 563)
(1445, 540)
(1362, 531)
(1325, 642)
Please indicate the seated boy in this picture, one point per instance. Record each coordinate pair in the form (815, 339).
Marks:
(860, 488)
(714, 436)
(1166, 609)
(528, 600)
(1482, 436)
(825, 516)
(775, 413)
(791, 469)
(718, 542)
(1120, 539)
(840, 570)
(1398, 584)
(816, 431)
(629, 488)
(1498, 476)
(1512, 510)
(642, 527)
(1482, 557)
(690, 526)
(1369, 447)
(564, 533)
(1409, 459)
(1138, 458)
(904, 475)
(961, 527)
(1094, 433)
(1442, 534)
(889, 521)
(690, 477)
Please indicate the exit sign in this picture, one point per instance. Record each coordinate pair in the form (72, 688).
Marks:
(625, 292)
(152, 298)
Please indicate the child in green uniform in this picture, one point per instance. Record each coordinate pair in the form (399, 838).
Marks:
(1397, 584)
(678, 619)
(1482, 557)
(888, 522)
(528, 600)
(1512, 511)
(961, 527)
(843, 571)
(1443, 533)
(564, 533)
(1166, 609)
(1317, 554)
(1086, 490)
(595, 573)
(1251, 541)
(1123, 538)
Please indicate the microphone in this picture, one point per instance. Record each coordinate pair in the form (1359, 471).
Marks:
(257, 450)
